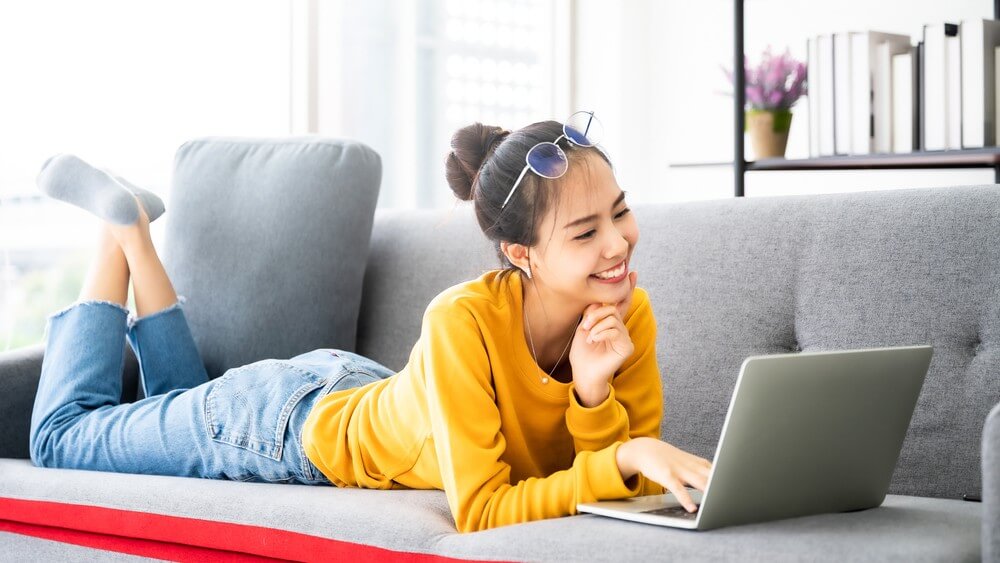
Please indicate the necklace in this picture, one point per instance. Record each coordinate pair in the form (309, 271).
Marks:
(545, 379)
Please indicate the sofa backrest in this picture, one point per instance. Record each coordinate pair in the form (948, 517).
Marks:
(733, 278)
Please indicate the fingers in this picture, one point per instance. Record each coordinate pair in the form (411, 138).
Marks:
(675, 469)
(696, 471)
(596, 311)
(676, 484)
(697, 477)
(691, 471)
(681, 494)
(594, 314)
(604, 335)
(606, 324)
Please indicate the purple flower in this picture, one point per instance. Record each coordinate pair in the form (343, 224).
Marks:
(775, 83)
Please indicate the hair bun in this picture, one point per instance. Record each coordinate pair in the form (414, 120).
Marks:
(470, 147)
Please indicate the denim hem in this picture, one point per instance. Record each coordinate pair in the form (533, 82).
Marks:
(78, 303)
(132, 319)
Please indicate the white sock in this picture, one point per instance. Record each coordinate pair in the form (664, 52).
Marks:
(68, 178)
(150, 201)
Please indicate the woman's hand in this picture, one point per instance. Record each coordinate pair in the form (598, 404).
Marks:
(601, 344)
(665, 464)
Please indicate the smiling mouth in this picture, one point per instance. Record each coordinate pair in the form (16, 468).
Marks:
(613, 273)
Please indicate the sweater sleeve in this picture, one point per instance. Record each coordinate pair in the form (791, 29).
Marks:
(634, 406)
(465, 424)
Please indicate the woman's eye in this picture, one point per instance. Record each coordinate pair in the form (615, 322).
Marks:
(591, 232)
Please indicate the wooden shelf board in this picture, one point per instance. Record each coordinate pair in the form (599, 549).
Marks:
(984, 157)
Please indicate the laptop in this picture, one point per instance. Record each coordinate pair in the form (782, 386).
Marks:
(806, 433)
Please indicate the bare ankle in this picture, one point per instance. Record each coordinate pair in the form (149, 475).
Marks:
(135, 235)
(106, 239)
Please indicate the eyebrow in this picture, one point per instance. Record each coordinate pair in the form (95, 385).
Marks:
(589, 218)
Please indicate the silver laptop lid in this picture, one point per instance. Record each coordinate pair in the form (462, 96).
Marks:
(812, 432)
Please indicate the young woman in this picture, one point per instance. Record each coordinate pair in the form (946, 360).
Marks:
(531, 388)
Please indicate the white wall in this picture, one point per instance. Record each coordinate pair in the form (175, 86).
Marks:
(651, 68)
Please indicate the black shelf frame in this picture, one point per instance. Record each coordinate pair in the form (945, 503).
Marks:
(988, 157)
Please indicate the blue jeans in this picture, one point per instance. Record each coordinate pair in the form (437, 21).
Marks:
(244, 425)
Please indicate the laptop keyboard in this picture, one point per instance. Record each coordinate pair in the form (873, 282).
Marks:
(675, 511)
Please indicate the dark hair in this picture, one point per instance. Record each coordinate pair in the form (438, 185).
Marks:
(483, 165)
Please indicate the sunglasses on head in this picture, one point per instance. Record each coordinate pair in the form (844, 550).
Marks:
(548, 160)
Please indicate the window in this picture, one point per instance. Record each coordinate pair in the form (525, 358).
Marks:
(403, 75)
(121, 84)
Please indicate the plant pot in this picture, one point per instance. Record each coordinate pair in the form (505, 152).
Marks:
(768, 131)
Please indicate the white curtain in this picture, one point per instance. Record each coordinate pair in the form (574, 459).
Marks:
(403, 75)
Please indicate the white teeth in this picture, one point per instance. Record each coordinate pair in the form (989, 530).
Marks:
(613, 273)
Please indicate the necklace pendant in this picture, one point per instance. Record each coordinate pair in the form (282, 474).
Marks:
(545, 380)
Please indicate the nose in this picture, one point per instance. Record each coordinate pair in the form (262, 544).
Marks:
(618, 246)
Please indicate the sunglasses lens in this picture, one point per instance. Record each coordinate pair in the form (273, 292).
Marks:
(583, 129)
(548, 160)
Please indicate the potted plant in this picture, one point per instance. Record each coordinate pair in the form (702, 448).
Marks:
(772, 88)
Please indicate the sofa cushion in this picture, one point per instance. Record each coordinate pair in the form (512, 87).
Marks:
(287, 521)
(267, 239)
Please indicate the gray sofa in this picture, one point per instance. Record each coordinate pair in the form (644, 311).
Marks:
(727, 278)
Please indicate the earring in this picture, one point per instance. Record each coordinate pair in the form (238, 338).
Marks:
(527, 270)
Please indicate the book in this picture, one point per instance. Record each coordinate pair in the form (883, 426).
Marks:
(813, 74)
(979, 38)
(905, 85)
(842, 92)
(827, 140)
(934, 118)
(882, 99)
(919, 94)
(871, 99)
(953, 80)
(996, 87)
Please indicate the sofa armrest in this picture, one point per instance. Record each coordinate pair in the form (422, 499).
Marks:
(991, 486)
(19, 371)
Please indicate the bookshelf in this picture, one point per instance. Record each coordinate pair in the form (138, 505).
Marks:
(988, 157)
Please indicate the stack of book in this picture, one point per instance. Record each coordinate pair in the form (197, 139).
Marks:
(876, 92)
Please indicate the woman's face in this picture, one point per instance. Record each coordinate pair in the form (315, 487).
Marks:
(589, 230)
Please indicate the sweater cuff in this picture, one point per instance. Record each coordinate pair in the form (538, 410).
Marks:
(593, 423)
(606, 481)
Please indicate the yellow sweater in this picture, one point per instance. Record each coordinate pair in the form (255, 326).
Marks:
(469, 414)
